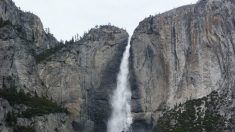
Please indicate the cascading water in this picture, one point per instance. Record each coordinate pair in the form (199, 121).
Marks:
(121, 119)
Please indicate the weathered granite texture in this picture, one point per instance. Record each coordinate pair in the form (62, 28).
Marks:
(79, 76)
(181, 65)
(182, 54)
(83, 75)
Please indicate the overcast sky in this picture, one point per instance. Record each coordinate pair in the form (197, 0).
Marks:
(65, 18)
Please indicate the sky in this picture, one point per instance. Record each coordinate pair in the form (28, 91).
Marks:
(66, 18)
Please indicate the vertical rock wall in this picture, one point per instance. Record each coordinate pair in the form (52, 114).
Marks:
(183, 54)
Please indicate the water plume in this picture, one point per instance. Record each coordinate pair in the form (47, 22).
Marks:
(121, 119)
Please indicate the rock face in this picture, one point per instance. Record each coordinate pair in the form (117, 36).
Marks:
(4, 109)
(182, 72)
(79, 76)
(83, 75)
(21, 36)
(48, 123)
(183, 54)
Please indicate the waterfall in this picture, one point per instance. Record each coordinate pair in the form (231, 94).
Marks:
(121, 119)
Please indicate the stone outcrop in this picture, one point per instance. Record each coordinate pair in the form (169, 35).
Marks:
(181, 72)
(22, 37)
(48, 123)
(4, 109)
(79, 76)
(83, 75)
(180, 55)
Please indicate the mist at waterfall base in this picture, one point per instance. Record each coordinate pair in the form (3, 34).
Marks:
(121, 119)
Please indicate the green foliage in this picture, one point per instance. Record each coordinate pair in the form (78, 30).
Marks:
(191, 118)
(47, 53)
(11, 119)
(37, 105)
(4, 23)
(23, 129)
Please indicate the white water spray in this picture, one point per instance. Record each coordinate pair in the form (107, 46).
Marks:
(121, 119)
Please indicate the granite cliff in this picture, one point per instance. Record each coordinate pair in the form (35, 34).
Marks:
(71, 82)
(182, 72)
(181, 57)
